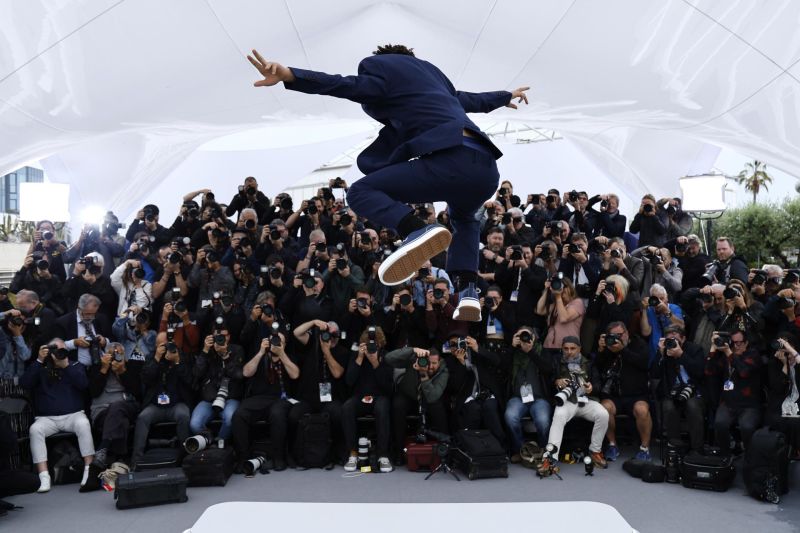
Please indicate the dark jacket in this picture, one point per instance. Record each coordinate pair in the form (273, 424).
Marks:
(61, 393)
(537, 372)
(75, 286)
(155, 373)
(418, 106)
(131, 379)
(432, 389)
(209, 369)
(745, 373)
(667, 369)
(66, 328)
(652, 230)
(462, 379)
(364, 380)
(631, 364)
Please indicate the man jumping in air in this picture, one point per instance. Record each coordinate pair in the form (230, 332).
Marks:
(428, 150)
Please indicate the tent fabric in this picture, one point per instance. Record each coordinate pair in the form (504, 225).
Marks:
(114, 96)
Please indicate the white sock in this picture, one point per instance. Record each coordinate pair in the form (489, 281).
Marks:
(85, 477)
(644, 448)
(44, 481)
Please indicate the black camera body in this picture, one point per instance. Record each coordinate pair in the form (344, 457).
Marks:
(613, 338)
(723, 339)
(616, 254)
(525, 336)
(670, 343)
(56, 352)
(681, 393)
(557, 281)
(423, 361)
(760, 277)
(730, 293)
(516, 253)
(573, 195)
(372, 343)
(653, 301)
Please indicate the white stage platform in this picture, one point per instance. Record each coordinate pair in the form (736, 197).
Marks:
(566, 517)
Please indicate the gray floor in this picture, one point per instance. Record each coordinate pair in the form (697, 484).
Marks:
(649, 508)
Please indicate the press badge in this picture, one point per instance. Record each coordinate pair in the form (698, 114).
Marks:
(514, 296)
(163, 399)
(325, 392)
(490, 328)
(728, 385)
(526, 393)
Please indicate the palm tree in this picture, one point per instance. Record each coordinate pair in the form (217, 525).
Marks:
(754, 177)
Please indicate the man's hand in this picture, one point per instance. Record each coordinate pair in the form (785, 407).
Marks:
(273, 73)
(516, 93)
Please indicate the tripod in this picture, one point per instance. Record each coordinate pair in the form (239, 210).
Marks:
(444, 465)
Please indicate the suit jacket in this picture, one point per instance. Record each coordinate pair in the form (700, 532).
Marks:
(66, 328)
(418, 106)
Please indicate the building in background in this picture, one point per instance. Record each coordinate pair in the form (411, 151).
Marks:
(9, 187)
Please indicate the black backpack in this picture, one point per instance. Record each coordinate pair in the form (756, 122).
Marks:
(478, 443)
(312, 447)
(66, 463)
(766, 465)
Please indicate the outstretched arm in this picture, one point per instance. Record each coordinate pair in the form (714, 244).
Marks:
(367, 87)
(486, 102)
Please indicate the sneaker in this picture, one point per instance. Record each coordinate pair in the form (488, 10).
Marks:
(352, 464)
(599, 461)
(101, 459)
(385, 465)
(417, 248)
(643, 455)
(545, 469)
(469, 307)
(612, 453)
(44, 482)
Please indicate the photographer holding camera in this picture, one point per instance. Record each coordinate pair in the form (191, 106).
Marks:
(267, 374)
(50, 248)
(575, 398)
(209, 276)
(88, 278)
(728, 265)
(516, 231)
(176, 262)
(657, 314)
(660, 268)
(680, 370)
(342, 277)
(492, 254)
(580, 266)
(562, 310)
(679, 222)
(14, 353)
(35, 275)
(522, 279)
(316, 254)
(624, 385)
(58, 389)
(743, 313)
(308, 218)
(37, 321)
(167, 383)
(248, 196)
(529, 389)
(88, 329)
(425, 278)
(581, 220)
(473, 387)
(439, 309)
(131, 287)
(403, 322)
(370, 379)
(650, 223)
(188, 220)
(616, 260)
(276, 241)
(691, 260)
(611, 303)
(733, 372)
(92, 241)
(146, 221)
(307, 299)
(361, 313)
(218, 377)
(609, 222)
(175, 317)
(116, 388)
(784, 382)
(419, 390)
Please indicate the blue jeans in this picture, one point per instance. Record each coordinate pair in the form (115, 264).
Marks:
(461, 176)
(540, 412)
(203, 412)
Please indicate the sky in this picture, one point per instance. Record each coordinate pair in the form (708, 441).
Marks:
(731, 163)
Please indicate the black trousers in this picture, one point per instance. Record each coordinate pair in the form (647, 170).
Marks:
(114, 424)
(380, 408)
(787, 425)
(479, 414)
(253, 409)
(334, 411)
(747, 417)
(17, 482)
(402, 406)
(694, 409)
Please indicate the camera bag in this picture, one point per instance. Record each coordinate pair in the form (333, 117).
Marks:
(155, 458)
(152, 487)
(709, 472)
(422, 456)
(653, 472)
(312, 446)
(209, 467)
(634, 467)
(766, 465)
(66, 463)
(479, 454)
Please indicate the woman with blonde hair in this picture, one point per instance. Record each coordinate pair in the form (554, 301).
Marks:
(564, 312)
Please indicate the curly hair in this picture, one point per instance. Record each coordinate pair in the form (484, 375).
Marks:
(394, 49)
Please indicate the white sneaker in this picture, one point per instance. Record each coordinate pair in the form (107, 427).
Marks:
(469, 307)
(417, 248)
(44, 482)
(385, 465)
(352, 464)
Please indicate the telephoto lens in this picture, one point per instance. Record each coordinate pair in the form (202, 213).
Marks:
(423, 361)
(222, 396)
(47, 235)
(196, 443)
(363, 452)
(254, 465)
(672, 465)
(564, 394)
(405, 299)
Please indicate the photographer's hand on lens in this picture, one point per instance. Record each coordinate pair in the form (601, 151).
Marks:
(105, 362)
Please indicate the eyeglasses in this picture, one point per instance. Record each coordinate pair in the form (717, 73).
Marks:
(739, 343)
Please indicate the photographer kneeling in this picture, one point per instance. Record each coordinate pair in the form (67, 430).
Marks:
(572, 382)
(419, 390)
(218, 376)
(680, 369)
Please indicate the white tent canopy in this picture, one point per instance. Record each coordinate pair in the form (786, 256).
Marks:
(116, 97)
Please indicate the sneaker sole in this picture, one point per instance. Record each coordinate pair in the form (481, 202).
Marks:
(468, 313)
(401, 265)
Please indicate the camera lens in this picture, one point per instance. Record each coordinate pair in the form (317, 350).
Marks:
(42, 264)
(175, 258)
(670, 344)
(438, 294)
(286, 203)
(274, 234)
(47, 235)
(312, 209)
(310, 281)
(219, 339)
(653, 301)
(138, 273)
(405, 299)
(423, 361)
(250, 223)
(325, 336)
(341, 264)
(180, 307)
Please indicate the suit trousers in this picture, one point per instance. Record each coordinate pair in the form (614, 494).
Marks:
(463, 177)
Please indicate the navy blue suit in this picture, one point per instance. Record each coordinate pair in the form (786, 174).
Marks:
(420, 154)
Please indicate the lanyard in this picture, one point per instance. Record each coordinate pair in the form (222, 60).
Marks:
(277, 367)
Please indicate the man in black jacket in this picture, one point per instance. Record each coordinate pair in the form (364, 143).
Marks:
(609, 222)
(86, 331)
(147, 221)
(691, 260)
(248, 196)
(530, 390)
(680, 369)
(731, 266)
(623, 366)
(167, 381)
(218, 377)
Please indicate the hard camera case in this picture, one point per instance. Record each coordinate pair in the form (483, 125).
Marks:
(766, 461)
(422, 456)
(152, 487)
(709, 472)
(479, 454)
(210, 467)
(157, 458)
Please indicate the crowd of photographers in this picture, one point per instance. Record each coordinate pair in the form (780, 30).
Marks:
(261, 310)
